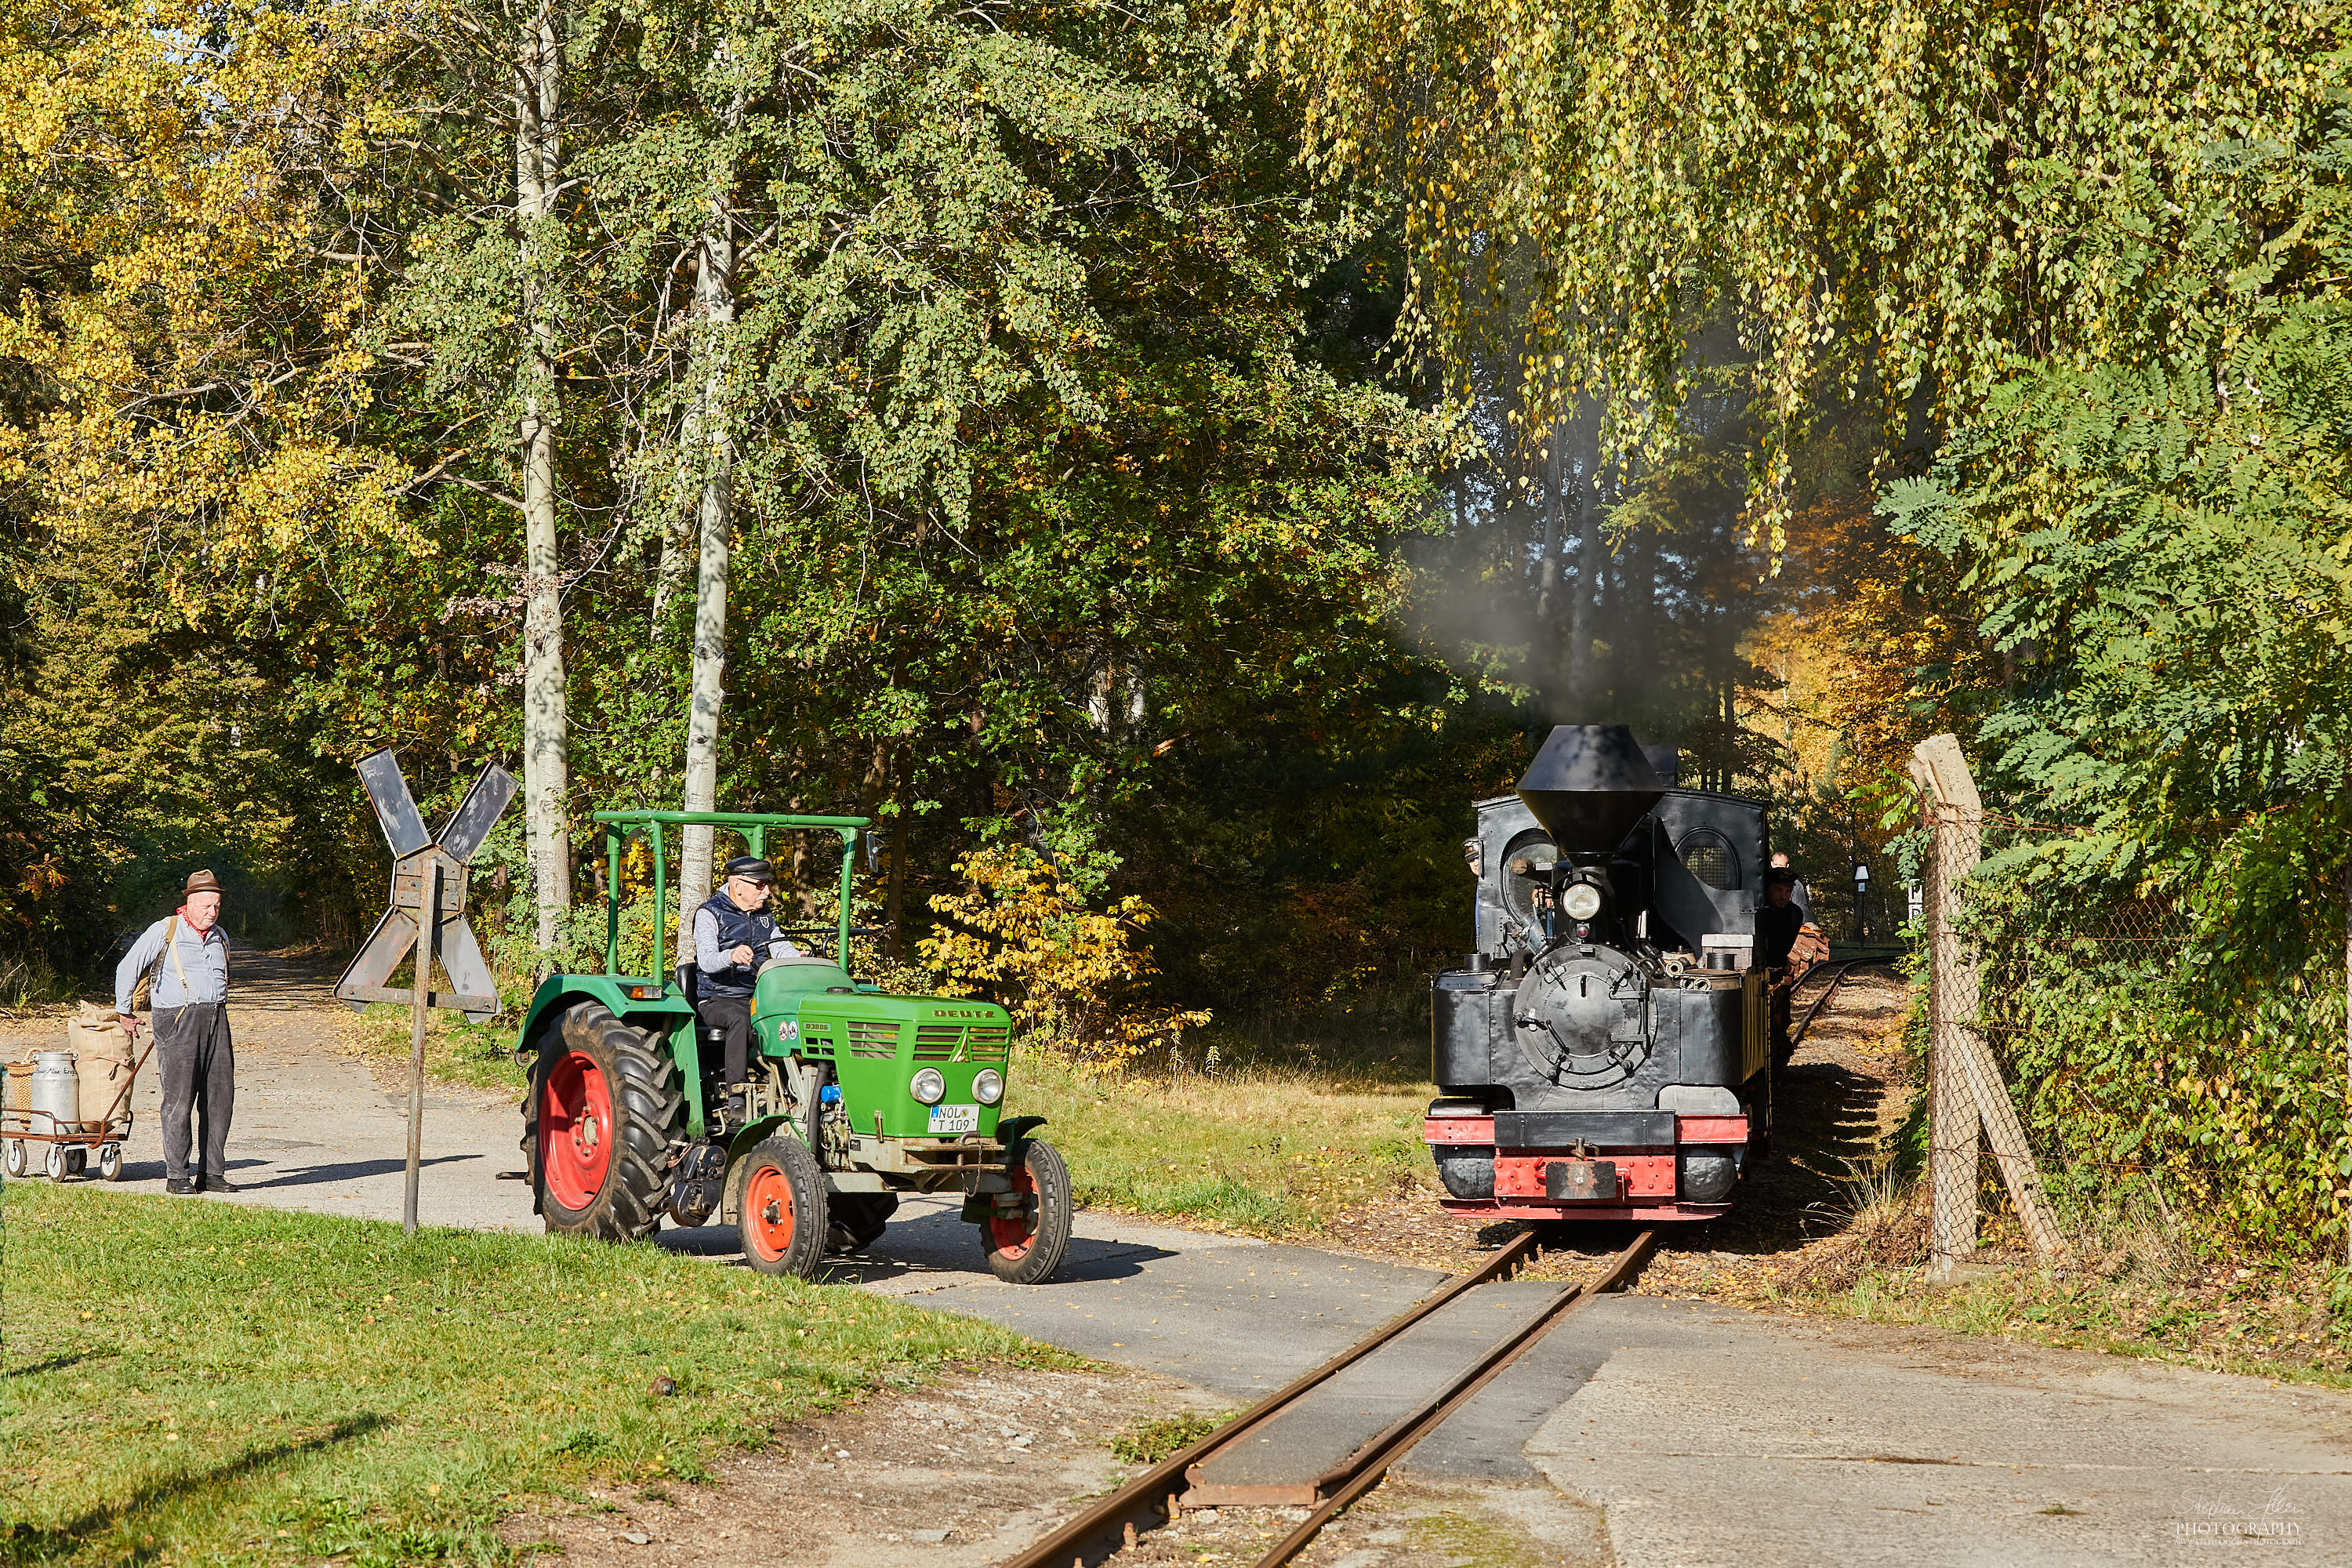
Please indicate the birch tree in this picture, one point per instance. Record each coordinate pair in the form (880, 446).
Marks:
(715, 303)
(539, 170)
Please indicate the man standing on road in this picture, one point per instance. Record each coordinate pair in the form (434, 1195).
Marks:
(733, 935)
(186, 956)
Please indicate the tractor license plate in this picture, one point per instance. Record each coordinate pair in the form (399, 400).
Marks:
(953, 1119)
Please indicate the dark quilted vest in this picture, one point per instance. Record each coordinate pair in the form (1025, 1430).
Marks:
(737, 929)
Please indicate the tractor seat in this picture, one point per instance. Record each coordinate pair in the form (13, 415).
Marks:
(689, 982)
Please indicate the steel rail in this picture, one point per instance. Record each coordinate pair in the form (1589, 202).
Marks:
(1363, 1471)
(1841, 969)
(1112, 1522)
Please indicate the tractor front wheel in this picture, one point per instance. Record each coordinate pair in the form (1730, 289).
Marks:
(604, 1113)
(1026, 1246)
(782, 1205)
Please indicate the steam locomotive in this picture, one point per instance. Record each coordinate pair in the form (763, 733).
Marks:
(1607, 1052)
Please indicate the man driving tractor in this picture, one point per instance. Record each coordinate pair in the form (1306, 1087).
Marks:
(733, 935)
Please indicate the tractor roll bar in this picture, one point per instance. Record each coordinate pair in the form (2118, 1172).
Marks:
(753, 825)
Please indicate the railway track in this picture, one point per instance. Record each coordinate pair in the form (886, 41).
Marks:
(1837, 972)
(1148, 1501)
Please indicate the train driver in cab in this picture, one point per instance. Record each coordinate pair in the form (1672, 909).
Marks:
(1787, 944)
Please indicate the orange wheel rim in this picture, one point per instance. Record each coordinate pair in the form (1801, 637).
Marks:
(575, 1130)
(1012, 1235)
(768, 1219)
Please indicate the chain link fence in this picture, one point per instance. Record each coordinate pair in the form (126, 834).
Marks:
(2093, 1084)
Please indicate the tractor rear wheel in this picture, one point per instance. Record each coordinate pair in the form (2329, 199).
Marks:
(858, 1219)
(782, 1193)
(599, 1124)
(1024, 1248)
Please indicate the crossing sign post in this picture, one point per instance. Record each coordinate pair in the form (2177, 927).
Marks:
(428, 914)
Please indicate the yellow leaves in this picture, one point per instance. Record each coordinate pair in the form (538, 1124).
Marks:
(1065, 971)
(199, 371)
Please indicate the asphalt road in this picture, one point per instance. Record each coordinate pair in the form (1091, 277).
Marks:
(1696, 1434)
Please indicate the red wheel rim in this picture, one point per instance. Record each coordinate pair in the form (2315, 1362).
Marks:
(575, 1130)
(768, 1219)
(1010, 1236)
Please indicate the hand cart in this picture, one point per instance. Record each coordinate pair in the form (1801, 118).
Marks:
(70, 1144)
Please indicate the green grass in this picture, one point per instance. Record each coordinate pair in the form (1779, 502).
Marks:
(1149, 1441)
(2277, 1324)
(1263, 1151)
(477, 1056)
(1274, 1146)
(187, 1382)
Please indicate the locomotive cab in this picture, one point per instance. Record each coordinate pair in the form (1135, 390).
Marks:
(1605, 1053)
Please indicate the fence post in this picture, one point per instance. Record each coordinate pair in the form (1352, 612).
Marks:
(1969, 1088)
(2348, 1050)
(1954, 814)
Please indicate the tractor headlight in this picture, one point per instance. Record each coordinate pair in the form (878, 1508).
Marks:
(1581, 900)
(987, 1085)
(928, 1086)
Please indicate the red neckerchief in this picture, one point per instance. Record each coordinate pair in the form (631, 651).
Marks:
(206, 935)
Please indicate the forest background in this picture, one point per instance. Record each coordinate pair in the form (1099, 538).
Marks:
(1166, 460)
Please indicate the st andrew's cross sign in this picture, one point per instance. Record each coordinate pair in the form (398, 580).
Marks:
(428, 915)
(418, 860)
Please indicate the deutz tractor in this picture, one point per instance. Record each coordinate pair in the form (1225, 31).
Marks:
(855, 1097)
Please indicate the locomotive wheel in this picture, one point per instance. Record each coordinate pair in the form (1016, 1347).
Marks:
(858, 1219)
(599, 1125)
(782, 1195)
(1025, 1249)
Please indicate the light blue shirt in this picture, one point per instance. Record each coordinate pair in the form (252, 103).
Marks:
(203, 959)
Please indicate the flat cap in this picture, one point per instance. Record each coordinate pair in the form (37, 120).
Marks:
(752, 867)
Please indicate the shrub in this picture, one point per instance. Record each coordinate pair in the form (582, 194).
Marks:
(1073, 977)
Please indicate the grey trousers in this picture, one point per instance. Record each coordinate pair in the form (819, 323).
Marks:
(198, 1066)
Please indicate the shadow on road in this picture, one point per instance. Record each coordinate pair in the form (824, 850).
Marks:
(937, 1244)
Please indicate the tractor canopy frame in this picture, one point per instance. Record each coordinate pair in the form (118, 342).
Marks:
(620, 827)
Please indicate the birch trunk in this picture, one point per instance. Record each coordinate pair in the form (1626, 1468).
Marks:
(1583, 608)
(1555, 511)
(538, 156)
(715, 293)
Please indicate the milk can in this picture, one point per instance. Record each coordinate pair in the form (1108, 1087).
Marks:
(56, 1087)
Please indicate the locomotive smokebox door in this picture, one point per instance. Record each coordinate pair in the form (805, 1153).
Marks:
(1571, 1180)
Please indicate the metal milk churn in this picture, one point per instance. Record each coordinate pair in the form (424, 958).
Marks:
(57, 1089)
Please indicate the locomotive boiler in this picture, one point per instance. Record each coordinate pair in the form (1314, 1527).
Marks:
(1606, 1053)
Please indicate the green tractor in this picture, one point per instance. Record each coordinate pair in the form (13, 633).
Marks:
(856, 1098)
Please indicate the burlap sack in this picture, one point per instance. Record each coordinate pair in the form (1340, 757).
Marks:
(92, 1031)
(103, 1058)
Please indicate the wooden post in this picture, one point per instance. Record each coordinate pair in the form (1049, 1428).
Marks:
(1970, 1094)
(1955, 818)
(428, 929)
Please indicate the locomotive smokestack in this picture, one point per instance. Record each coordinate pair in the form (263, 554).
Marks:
(1589, 786)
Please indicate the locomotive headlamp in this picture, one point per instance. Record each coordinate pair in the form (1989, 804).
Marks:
(928, 1086)
(987, 1085)
(1581, 900)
